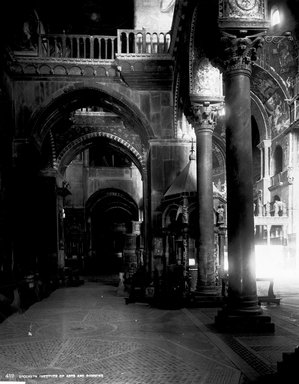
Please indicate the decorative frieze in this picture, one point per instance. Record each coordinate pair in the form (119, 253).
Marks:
(36, 66)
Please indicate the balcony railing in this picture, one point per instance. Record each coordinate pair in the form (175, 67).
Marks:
(142, 42)
(77, 46)
(99, 47)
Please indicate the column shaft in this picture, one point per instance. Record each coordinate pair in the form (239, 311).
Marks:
(242, 279)
(206, 264)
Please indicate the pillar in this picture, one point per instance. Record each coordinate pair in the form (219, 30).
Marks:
(49, 224)
(185, 222)
(203, 125)
(242, 309)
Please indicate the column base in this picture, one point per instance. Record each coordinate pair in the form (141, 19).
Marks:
(243, 315)
(207, 297)
(243, 324)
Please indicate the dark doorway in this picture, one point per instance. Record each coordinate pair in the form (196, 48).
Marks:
(111, 219)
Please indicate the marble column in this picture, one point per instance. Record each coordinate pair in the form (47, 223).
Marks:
(203, 125)
(242, 308)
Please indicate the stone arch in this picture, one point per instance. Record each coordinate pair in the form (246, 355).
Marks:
(123, 199)
(166, 215)
(67, 154)
(81, 94)
(258, 111)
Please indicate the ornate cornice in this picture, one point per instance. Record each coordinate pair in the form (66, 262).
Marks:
(19, 64)
(143, 56)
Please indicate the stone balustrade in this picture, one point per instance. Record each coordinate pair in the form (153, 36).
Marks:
(142, 42)
(77, 46)
(127, 41)
(275, 209)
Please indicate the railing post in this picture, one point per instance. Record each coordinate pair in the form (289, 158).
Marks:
(40, 53)
(143, 42)
(91, 47)
(118, 50)
(106, 48)
(78, 47)
(151, 44)
(71, 47)
(55, 47)
(128, 42)
(112, 48)
(63, 44)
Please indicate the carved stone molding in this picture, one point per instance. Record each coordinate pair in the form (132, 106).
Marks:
(91, 135)
(35, 66)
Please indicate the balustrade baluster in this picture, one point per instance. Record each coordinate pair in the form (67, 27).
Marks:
(40, 47)
(91, 47)
(119, 41)
(128, 42)
(143, 42)
(78, 48)
(84, 47)
(151, 44)
(63, 45)
(102, 47)
(71, 47)
(106, 48)
(112, 48)
(136, 42)
(55, 47)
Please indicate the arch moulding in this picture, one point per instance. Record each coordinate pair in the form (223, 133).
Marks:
(74, 146)
(81, 94)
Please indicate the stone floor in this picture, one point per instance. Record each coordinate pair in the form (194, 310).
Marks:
(87, 334)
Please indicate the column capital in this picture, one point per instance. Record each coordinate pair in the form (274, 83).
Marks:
(238, 53)
(202, 117)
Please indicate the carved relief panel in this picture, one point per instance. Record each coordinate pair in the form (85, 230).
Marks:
(250, 14)
(242, 9)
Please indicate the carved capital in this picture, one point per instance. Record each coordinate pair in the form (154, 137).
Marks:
(239, 52)
(202, 117)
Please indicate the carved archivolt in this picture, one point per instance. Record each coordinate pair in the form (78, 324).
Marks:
(81, 140)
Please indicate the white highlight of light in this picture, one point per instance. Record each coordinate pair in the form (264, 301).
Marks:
(269, 260)
(275, 17)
